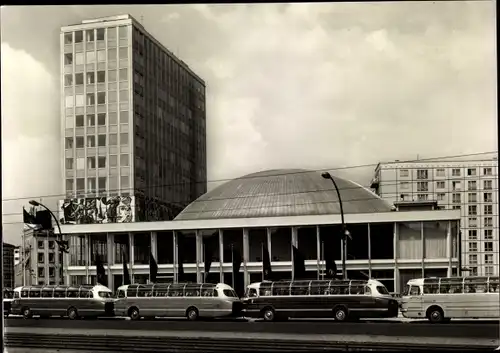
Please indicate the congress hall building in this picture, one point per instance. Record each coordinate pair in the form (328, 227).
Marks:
(281, 209)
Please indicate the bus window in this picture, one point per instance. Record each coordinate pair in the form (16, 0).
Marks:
(59, 293)
(104, 294)
(47, 293)
(160, 291)
(192, 291)
(265, 289)
(16, 295)
(300, 288)
(35, 293)
(414, 290)
(339, 289)
(121, 294)
(367, 290)
(72, 293)
(143, 292)
(229, 293)
(131, 292)
(24, 294)
(176, 290)
(84, 293)
(281, 288)
(357, 289)
(252, 293)
(431, 288)
(383, 290)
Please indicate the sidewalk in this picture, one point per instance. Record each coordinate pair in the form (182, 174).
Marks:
(263, 336)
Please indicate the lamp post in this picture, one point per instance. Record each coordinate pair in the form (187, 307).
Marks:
(63, 246)
(345, 232)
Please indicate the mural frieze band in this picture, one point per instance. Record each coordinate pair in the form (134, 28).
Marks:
(115, 209)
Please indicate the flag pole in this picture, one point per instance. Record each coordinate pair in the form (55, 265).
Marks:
(262, 251)
(23, 257)
(232, 261)
(204, 266)
(323, 260)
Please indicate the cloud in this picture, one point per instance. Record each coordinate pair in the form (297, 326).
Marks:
(31, 154)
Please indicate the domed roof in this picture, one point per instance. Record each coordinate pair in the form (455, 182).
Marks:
(282, 192)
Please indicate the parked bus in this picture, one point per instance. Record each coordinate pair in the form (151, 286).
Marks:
(190, 300)
(340, 299)
(443, 299)
(71, 301)
(8, 294)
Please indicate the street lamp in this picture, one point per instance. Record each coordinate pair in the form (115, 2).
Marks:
(345, 232)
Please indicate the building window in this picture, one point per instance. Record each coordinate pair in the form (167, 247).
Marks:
(101, 76)
(405, 185)
(101, 140)
(488, 246)
(472, 197)
(113, 140)
(440, 185)
(41, 244)
(91, 141)
(90, 78)
(90, 35)
(91, 162)
(123, 75)
(472, 185)
(91, 185)
(112, 97)
(472, 210)
(471, 171)
(51, 244)
(102, 184)
(69, 185)
(456, 198)
(69, 102)
(79, 121)
(90, 119)
(80, 185)
(68, 38)
(124, 138)
(79, 79)
(113, 161)
(488, 197)
(123, 53)
(488, 234)
(124, 120)
(102, 162)
(422, 173)
(90, 99)
(487, 171)
(80, 100)
(124, 182)
(100, 34)
(422, 197)
(472, 234)
(472, 222)
(455, 172)
(69, 163)
(111, 33)
(488, 185)
(422, 186)
(456, 185)
(101, 119)
(79, 59)
(101, 97)
(456, 207)
(41, 256)
(488, 209)
(52, 258)
(488, 258)
(52, 271)
(101, 56)
(90, 57)
(68, 80)
(80, 142)
(41, 272)
(489, 270)
(440, 172)
(123, 32)
(68, 142)
(80, 163)
(473, 259)
(124, 160)
(488, 221)
(68, 59)
(473, 247)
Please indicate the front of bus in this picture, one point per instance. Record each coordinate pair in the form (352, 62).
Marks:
(104, 295)
(384, 299)
(251, 309)
(232, 299)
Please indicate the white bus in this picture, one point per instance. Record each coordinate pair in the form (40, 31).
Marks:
(59, 300)
(442, 299)
(340, 299)
(190, 300)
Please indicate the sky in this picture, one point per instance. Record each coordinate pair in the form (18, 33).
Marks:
(310, 86)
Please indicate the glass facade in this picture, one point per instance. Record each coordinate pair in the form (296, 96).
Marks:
(134, 120)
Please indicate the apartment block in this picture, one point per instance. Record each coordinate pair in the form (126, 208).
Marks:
(133, 124)
(469, 186)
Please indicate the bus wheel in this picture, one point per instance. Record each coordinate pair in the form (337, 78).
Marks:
(435, 314)
(340, 313)
(72, 313)
(134, 313)
(192, 314)
(27, 313)
(268, 314)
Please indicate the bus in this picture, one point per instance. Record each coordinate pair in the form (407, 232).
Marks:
(190, 300)
(341, 299)
(446, 298)
(58, 300)
(8, 294)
